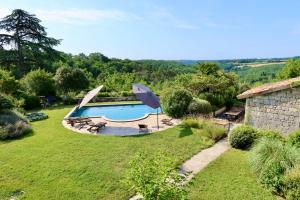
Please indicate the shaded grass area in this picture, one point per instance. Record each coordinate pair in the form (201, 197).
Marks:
(228, 178)
(56, 163)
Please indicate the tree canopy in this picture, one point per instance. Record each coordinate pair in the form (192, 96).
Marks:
(290, 70)
(24, 42)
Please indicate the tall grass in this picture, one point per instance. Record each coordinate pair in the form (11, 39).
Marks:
(270, 159)
(211, 130)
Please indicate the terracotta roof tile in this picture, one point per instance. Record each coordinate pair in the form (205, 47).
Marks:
(270, 87)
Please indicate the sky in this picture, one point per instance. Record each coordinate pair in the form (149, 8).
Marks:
(170, 29)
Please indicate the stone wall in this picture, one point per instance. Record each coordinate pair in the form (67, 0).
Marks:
(278, 110)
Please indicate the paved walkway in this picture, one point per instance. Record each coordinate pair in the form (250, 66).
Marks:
(124, 128)
(199, 161)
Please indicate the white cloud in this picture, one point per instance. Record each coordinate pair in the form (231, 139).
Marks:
(4, 12)
(79, 16)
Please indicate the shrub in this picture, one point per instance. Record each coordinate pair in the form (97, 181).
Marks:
(18, 129)
(216, 132)
(191, 123)
(126, 93)
(242, 137)
(69, 99)
(11, 117)
(292, 184)
(103, 94)
(270, 159)
(13, 124)
(154, 176)
(176, 103)
(30, 101)
(213, 131)
(199, 106)
(71, 79)
(8, 83)
(270, 134)
(36, 116)
(39, 82)
(294, 138)
(6, 102)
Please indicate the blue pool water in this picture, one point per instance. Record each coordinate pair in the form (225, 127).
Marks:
(116, 112)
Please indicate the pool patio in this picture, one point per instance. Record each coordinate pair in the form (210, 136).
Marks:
(124, 128)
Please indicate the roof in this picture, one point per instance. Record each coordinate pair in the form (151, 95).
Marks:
(270, 87)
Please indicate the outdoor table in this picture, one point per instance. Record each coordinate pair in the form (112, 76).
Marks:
(233, 115)
(226, 124)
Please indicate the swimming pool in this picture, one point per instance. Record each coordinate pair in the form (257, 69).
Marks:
(124, 112)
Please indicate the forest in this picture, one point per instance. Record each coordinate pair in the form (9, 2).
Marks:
(31, 67)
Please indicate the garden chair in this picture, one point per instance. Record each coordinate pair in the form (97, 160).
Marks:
(143, 128)
(166, 120)
(168, 123)
(96, 127)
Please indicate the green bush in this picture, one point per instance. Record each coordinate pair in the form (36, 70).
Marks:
(216, 132)
(271, 177)
(8, 83)
(191, 123)
(11, 117)
(175, 103)
(39, 82)
(30, 101)
(270, 134)
(71, 79)
(36, 116)
(126, 93)
(199, 106)
(18, 129)
(213, 131)
(12, 125)
(6, 102)
(292, 184)
(294, 138)
(69, 99)
(242, 137)
(103, 94)
(154, 176)
(270, 159)
(109, 94)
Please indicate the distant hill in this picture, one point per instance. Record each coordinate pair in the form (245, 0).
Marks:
(253, 61)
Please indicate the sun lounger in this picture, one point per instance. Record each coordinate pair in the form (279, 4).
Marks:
(143, 128)
(82, 121)
(168, 123)
(166, 120)
(96, 127)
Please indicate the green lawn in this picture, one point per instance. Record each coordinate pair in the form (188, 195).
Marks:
(56, 163)
(228, 178)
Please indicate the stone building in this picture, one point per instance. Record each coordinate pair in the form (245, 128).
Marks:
(274, 106)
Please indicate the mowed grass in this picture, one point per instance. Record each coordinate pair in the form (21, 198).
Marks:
(228, 178)
(56, 163)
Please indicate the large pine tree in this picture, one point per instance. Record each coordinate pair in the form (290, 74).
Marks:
(24, 42)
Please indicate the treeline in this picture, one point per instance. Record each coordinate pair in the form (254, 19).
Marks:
(31, 67)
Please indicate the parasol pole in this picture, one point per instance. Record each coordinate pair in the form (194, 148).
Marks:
(157, 118)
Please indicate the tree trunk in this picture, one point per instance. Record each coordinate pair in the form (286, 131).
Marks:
(20, 56)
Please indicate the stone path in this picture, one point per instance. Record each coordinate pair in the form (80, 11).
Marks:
(199, 161)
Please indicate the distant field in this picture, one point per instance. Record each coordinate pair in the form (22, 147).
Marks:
(262, 64)
(258, 75)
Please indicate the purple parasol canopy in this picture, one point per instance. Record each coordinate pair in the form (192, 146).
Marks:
(145, 95)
